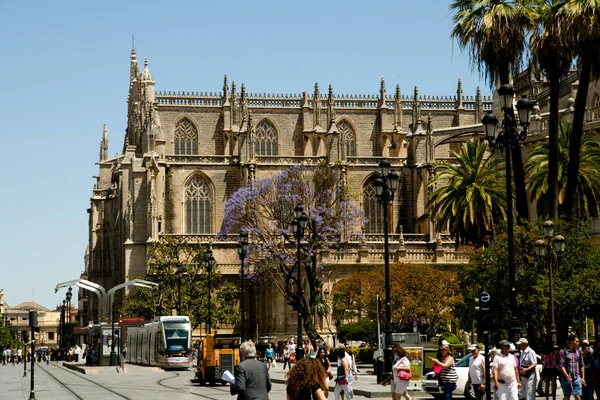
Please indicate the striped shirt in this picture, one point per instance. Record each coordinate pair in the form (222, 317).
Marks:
(449, 375)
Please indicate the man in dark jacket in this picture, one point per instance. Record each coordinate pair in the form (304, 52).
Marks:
(251, 376)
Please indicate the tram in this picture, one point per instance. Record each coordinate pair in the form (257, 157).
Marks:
(165, 343)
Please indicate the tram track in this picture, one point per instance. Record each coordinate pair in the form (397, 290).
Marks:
(78, 375)
(203, 396)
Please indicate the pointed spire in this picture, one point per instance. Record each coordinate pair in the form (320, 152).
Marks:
(397, 92)
(225, 92)
(330, 92)
(104, 145)
(146, 77)
(316, 94)
(133, 66)
(416, 93)
(459, 94)
(382, 88)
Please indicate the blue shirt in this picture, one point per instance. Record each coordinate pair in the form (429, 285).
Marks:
(269, 353)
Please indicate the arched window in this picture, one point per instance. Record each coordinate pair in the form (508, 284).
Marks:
(596, 108)
(373, 211)
(265, 139)
(197, 207)
(348, 137)
(186, 138)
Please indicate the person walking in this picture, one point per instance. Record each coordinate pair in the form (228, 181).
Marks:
(401, 363)
(342, 373)
(305, 381)
(322, 357)
(352, 371)
(286, 357)
(549, 370)
(269, 354)
(448, 376)
(588, 362)
(571, 369)
(527, 364)
(477, 371)
(506, 375)
(251, 376)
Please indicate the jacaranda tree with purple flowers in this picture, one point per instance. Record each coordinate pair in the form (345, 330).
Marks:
(265, 210)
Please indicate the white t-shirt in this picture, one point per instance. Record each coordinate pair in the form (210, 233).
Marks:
(505, 365)
(476, 368)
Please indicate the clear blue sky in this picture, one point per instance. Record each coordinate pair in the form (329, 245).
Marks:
(64, 72)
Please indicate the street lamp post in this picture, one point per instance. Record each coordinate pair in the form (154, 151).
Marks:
(541, 247)
(242, 248)
(508, 137)
(298, 225)
(68, 296)
(179, 277)
(63, 328)
(385, 186)
(210, 263)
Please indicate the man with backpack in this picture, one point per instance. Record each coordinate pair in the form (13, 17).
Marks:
(571, 369)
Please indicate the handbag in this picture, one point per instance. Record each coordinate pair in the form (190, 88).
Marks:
(404, 375)
(437, 369)
(292, 358)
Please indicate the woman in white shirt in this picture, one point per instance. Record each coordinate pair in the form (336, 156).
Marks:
(400, 386)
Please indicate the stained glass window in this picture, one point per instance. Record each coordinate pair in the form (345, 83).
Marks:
(197, 207)
(186, 138)
(265, 139)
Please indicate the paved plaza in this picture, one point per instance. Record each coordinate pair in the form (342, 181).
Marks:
(57, 382)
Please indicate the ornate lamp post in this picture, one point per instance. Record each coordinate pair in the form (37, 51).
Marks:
(242, 248)
(62, 325)
(298, 225)
(385, 186)
(210, 263)
(508, 137)
(179, 277)
(68, 296)
(541, 247)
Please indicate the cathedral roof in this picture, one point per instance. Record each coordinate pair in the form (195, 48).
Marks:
(30, 305)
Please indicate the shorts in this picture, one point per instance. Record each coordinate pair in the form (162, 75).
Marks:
(571, 388)
(550, 372)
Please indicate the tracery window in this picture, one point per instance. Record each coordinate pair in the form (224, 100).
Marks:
(596, 108)
(186, 138)
(373, 212)
(348, 137)
(197, 207)
(265, 139)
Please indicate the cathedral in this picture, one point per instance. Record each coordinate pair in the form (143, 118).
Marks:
(185, 153)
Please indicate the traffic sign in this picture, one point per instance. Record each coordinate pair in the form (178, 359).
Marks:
(484, 300)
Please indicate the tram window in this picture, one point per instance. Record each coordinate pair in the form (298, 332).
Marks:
(177, 339)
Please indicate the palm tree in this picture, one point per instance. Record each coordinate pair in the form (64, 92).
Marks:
(588, 180)
(581, 21)
(555, 57)
(494, 32)
(469, 195)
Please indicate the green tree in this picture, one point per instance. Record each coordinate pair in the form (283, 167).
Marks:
(487, 270)
(554, 56)
(168, 256)
(588, 180)
(494, 33)
(581, 26)
(469, 195)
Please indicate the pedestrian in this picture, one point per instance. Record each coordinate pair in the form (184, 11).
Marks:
(269, 353)
(588, 362)
(77, 352)
(305, 381)
(286, 357)
(322, 357)
(527, 364)
(571, 369)
(402, 363)
(549, 370)
(352, 370)
(506, 375)
(342, 373)
(19, 356)
(251, 376)
(448, 376)
(477, 371)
